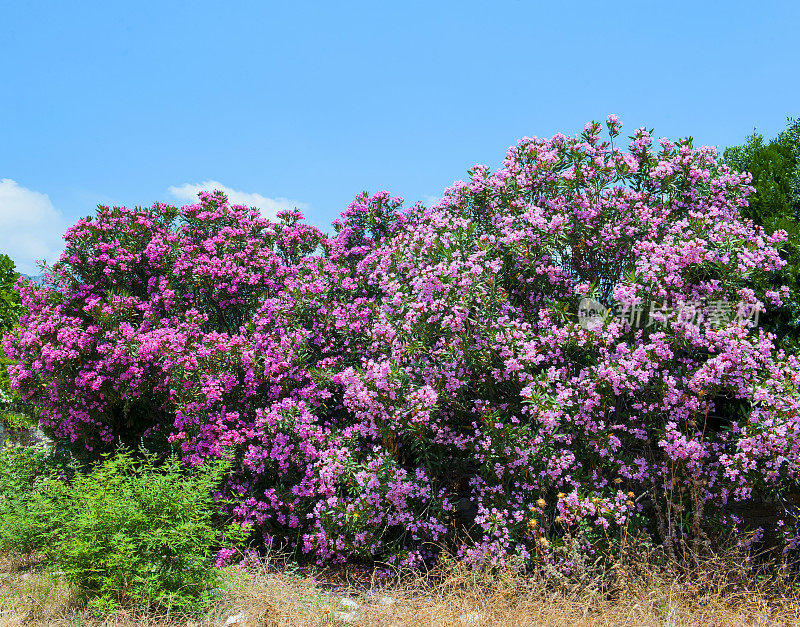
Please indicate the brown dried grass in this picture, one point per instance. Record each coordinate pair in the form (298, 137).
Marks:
(718, 590)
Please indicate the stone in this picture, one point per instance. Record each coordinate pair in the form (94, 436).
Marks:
(345, 617)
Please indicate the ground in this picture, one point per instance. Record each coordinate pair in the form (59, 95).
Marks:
(273, 593)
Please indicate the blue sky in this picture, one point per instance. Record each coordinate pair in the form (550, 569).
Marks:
(309, 103)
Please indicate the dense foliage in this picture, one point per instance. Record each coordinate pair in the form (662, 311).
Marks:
(425, 368)
(775, 205)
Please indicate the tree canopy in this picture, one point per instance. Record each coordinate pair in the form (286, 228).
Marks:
(775, 205)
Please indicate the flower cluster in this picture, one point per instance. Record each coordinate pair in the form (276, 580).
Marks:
(370, 383)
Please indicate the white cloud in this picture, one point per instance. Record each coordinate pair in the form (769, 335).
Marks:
(31, 228)
(268, 206)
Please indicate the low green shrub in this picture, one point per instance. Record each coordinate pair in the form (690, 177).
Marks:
(130, 531)
(26, 522)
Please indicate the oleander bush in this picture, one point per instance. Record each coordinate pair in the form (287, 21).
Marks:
(427, 370)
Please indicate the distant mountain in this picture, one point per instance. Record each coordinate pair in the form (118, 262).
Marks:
(36, 279)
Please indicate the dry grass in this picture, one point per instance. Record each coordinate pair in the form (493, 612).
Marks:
(268, 596)
(29, 595)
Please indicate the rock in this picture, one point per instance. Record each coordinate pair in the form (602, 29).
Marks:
(469, 618)
(236, 619)
(349, 604)
(345, 617)
(385, 601)
(24, 436)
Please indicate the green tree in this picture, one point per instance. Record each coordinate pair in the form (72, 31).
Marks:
(775, 204)
(10, 309)
(9, 300)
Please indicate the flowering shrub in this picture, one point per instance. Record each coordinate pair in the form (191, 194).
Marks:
(369, 383)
